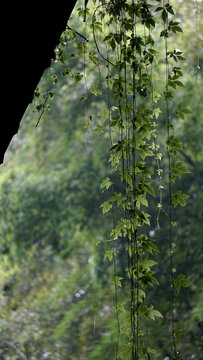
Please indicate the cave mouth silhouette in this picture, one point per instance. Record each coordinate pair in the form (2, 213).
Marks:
(30, 33)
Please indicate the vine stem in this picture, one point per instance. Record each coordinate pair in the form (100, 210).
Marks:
(94, 36)
(76, 32)
(170, 196)
(157, 159)
(113, 214)
(116, 305)
(129, 242)
(197, 32)
(135, 264)
(43, 110)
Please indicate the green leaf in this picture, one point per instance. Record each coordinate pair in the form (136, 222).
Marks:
(104, 114)
(157, 111)
(117, 281)
(181, 111)
(109, 254)
(155, 313)
(121, 307)
(77, 77)
(86, 125)
(179, 83)
(138, 203)
(174, 143)
(39, 107)
(114, 123)
(150, 190)
(187, 111)
(141, 295)
(94, 90)
(179, 332)
(106, 183)
(54, 78)
(99, 129)
(181, 281)
(143, 201)
(106, 206)
(159, 8)
(169, 9)
(113, 44)
(157, 96)
(164, 15)
(164, 33)
(152, 313)
(178, 169)
(179, 198)
(67, 71)
(50, 94)
(177, 29)
(83, 98)
(147, 263)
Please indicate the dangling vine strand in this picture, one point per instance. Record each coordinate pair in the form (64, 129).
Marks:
(135, 244)
(198, 36)
(114, 222)
(166, 21)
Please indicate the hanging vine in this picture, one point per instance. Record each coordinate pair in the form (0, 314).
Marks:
(128, 48)
(128, 155)
(131, 153)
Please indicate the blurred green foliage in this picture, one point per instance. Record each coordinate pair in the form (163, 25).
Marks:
(57, 297)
